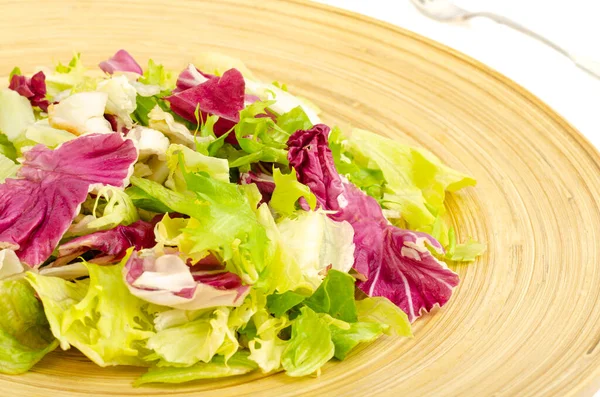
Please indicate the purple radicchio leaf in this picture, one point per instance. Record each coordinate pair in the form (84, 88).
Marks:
(221, 96)
(32, 88)
(111, 245)
(396, 263)
(168, 281)
(37, 209)
(264, 183)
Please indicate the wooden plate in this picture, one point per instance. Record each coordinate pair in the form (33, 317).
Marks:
(526, 317)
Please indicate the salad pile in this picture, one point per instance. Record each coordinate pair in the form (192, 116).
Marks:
(204, 224)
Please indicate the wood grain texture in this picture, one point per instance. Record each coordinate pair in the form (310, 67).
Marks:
(525, 319)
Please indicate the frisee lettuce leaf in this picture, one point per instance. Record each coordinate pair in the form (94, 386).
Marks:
(103, 320)
(287, 192)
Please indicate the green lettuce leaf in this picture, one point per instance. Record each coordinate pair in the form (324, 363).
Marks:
(294, 120)
(69, 79)
(380, 310)
(266, 346)
(144, 106)
(25, 336)
(465, 252)
(146, 201)
(260, 137)
(310, 346)
(191, 342)
(281, 272)
(117, 208)
(316, 243)
(7, 149)
(335, 296)
(109, 325)
(410, 183)
(58, 296)
(279, 304)
(287, 192)
(42, 132)
(223, 222)
(416, 180)
(156, 74)
(347, 339)
(180, 157)
(8, 168)
(238, 364)
(16, 114)
(359, 169)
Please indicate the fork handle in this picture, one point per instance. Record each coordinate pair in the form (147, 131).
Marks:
(589, 65)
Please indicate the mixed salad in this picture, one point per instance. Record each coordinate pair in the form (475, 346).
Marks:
(205, 224)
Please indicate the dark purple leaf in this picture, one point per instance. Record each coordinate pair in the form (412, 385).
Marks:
(33, 88)
(222, 96)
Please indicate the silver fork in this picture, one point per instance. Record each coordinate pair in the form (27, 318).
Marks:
(445, 11)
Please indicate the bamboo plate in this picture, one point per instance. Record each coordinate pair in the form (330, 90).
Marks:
(525, 319)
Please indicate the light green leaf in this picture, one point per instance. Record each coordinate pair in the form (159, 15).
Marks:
(16, 114)
(410, 183)
(181, 157)
(58, 296)
(225, 223)
(287, 192)
(69, 79)
(239, 364)
(222, 221)
(42, 132)
(16, 71)
(156, 74)
(310, 346)
(360, 170)
(416, 179)
(121, 97)
(282, 272)
(109, 325)
(8, 168)
(465, 252)
(381, 311)
(316, 243)
(25, 336)
(160, 118)
(266, 347)
(117, 209)
(294, 120)
(347, 339)
(260, 137)
(191, 342)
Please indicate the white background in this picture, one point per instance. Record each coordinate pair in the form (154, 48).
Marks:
(573, 24)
